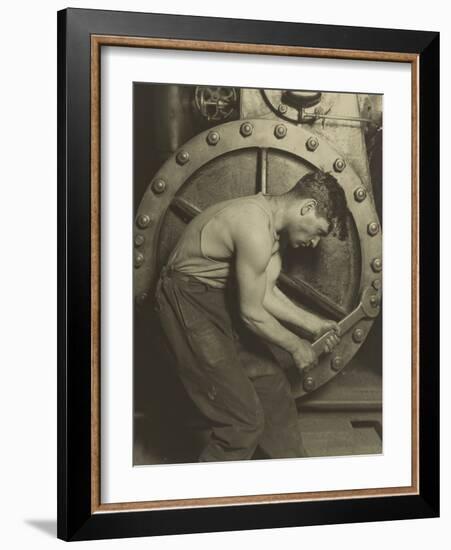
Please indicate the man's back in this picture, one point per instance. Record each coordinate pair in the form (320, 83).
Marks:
(207, 246)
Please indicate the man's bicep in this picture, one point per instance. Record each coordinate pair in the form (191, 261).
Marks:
(251, 261)
(273, 272)
(251, 285)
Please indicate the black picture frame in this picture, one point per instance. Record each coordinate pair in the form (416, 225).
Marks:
(76, 518)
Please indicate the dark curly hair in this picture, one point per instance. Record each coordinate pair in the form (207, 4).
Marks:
(330, 198)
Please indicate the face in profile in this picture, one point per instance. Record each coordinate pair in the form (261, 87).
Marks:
(305, 227)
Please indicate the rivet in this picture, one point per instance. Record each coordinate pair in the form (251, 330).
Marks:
(139, 259)
(376, 265)
(336, 363)
(312, 143)
(374, 300)
(246, 129)
(282, 108)
(182, 157)
(158, 186)
(280, 131)
(377, 284)
(139, 239)
(339, 165)
(360, 194)
(309, 383)
(213, 138)
(358, 335)
(373, 228)
(143, 221)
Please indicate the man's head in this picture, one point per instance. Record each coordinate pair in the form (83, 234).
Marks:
(315, 207)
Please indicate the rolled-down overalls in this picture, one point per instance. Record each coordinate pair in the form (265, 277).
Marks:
(241, 412)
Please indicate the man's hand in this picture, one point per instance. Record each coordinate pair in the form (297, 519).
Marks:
(304, 356)
(324, 326)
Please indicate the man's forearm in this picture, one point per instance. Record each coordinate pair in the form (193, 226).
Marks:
(266, 326)
(282, 308)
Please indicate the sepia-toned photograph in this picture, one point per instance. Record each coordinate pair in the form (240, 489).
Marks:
(257, 274)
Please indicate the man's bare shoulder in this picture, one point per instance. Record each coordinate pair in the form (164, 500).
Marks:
(243, 225)
(250, 229)
(244, 213)
(247, 214)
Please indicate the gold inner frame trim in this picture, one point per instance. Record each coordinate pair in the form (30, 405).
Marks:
(97, 41)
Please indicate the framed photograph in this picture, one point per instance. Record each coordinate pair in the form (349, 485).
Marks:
(235, 199)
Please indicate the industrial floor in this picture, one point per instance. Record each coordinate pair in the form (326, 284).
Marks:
(342, 418)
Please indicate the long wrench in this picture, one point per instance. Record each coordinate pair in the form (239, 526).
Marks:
(368, 308)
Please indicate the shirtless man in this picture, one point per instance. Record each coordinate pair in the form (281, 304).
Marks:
(222, 275)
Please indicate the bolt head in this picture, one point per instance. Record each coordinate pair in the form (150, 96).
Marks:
(139, 239)
(336, 363)
(360, 194)
(158, 186)
(377, 284)
(376, 265)
(373, 228)
(309, 383)
(246, 129)
(143, 221)
(213, 138)
(339, 165)
(282, 108)
(358, 335)
(374, 301)
(182, 157)
(312, 143)
(139, 259)
(280, 131)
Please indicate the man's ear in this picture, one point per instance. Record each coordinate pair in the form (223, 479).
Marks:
(309, 204)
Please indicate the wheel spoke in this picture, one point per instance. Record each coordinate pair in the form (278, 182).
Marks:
(185, 209)
(262, 170)
(304, 292)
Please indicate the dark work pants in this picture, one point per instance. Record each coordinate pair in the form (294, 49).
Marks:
(242, 413)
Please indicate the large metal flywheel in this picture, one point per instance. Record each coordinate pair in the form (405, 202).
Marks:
(337, 279)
